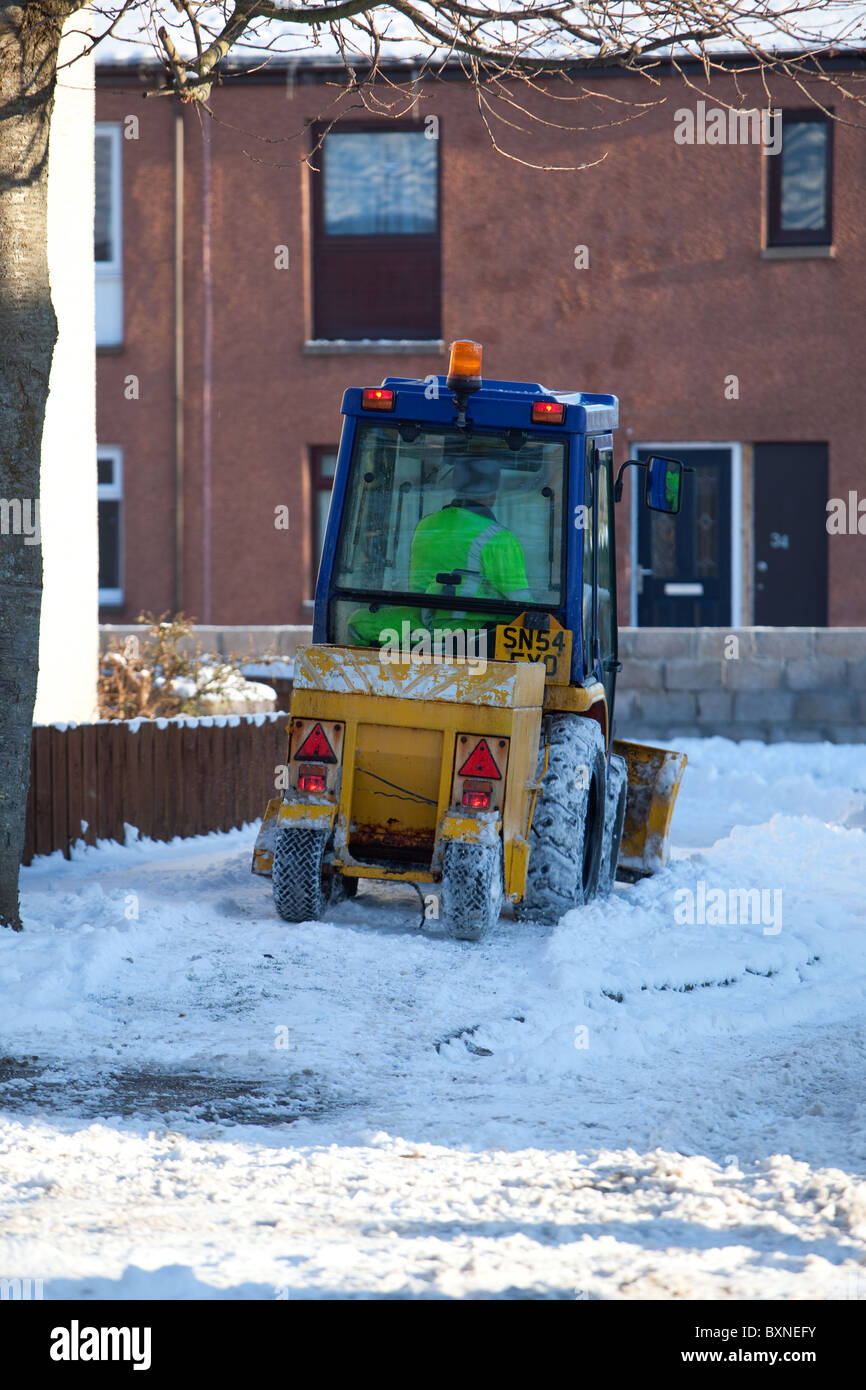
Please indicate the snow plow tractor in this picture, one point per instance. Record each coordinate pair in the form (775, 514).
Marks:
(452, 721)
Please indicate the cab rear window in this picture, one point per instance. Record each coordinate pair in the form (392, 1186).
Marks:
(419, 499)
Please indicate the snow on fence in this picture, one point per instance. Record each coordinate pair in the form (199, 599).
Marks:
(167, 777)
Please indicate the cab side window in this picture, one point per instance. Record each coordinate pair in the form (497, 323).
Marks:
(606, 572)
(585, 518)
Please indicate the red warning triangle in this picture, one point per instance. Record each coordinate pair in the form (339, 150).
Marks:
(480, 763)
(316, 747)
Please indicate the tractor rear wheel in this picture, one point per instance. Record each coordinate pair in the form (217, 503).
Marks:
(565, 839)
(299, 894)
(614, 821)
(471, 888)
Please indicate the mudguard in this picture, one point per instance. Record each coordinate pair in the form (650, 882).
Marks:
(303, 815)
(263, 853)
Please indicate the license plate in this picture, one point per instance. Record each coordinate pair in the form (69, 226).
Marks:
(517, 643)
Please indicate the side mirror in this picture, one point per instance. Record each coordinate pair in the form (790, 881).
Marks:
(664, 479)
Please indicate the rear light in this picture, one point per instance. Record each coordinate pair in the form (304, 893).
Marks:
(312, 779)
(547, 413)
(377, 398)
(476, 795)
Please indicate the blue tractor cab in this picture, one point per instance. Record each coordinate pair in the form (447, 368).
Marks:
(403, 449)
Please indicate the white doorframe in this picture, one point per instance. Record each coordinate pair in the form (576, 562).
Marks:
(674, 449)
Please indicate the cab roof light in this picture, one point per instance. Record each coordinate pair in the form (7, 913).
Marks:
(548, 413)
(378, 398)
(464, 367)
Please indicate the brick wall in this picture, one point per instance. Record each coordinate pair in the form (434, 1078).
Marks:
(677, 295)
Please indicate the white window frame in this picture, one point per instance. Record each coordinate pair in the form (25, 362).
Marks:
(112, 492)
(671, 450)
(109, 274)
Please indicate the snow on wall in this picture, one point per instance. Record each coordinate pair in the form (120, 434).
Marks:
(69, 637)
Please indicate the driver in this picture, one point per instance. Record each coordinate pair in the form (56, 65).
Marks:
(464, 541)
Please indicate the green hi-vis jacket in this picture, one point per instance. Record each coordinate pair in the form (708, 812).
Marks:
(460, 539)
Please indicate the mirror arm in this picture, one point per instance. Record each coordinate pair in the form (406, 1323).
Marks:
(618, 485)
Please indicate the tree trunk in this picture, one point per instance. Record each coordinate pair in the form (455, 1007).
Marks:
(29, 40)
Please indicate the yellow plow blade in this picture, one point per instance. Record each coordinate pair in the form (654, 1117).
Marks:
(654, 776)
(263, 853)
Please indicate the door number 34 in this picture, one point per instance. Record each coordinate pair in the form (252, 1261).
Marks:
(779, 542)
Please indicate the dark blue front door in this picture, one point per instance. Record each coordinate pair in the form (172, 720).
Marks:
(684, 574)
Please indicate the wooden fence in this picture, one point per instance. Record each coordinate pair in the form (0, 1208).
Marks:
(166, 778)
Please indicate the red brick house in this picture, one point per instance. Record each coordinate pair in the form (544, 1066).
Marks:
(716, 288)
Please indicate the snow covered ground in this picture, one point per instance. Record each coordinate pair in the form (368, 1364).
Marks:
(197, 1100)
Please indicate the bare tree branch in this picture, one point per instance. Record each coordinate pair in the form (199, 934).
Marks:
(502, 42)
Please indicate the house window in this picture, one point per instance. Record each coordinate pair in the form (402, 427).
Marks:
(107, 243)
(109, 494)
(376, 243)
(800, 203)
(323, 464)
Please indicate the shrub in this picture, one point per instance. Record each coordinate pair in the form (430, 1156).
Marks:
(149, 677)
